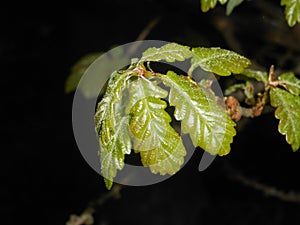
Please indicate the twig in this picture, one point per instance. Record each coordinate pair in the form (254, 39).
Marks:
(226, 27)
(145, 32)
(233, 174)
(290, 196)
(86, 217)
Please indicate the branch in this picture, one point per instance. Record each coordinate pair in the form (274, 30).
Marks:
(86, 217)
(290, 196)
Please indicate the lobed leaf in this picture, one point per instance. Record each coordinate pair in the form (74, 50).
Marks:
(210, 4)
(220, 61)
(207, 123)
(170, 53)
(291, 82)
(112, 128)
(160, 147)
(288, 112)
(292, 11)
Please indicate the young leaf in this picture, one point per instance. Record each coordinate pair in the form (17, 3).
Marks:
(256, 74)
(288, 111)
(112, 128)
(220, 61)
(160, 147)
(209, 126)
(231, 5)
(291, 82)
(210, 4)
(170, 53)
(292, 11)
(233, 88)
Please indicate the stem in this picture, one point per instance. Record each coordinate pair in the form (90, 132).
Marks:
(86, 217)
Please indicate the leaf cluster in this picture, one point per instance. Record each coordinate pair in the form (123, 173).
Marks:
(292, 8)
(132, 116)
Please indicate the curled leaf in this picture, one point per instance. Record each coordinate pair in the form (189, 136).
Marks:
(112, 128)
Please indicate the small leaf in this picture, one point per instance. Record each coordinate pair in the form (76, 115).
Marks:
(78, 70)
(209, 126)
(170, 53)
(231, 5)
(210, 4)
(292, 11)
(291, 82)
(220, 61)
(233, 88)
(256, 74)
(160, 147)
(288, 111)
(88, 87)
(112, 128)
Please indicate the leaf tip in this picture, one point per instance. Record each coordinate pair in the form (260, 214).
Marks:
(108, 183)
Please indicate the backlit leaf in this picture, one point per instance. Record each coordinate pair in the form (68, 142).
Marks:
(288, 111)
(112, 128)
(292, 11)
(231, 5)
(170, 53)
(220, 61)
(210, 4)
(207, 123)
(159, 145)
(291, 82)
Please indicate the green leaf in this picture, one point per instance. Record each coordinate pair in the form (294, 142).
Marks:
(292, 11)
(160, 147)
(256, 74)
(112, 128)
(207, 123)
(233, 88)
(170, 52)
(88, 87)
(220, 61)
(291, 82)
(210, 4)
(78, 70)
(231, 5)
(288, 111)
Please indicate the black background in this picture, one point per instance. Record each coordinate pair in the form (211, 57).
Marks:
(44, 179)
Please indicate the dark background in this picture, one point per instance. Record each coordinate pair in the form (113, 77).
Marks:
(44, 179)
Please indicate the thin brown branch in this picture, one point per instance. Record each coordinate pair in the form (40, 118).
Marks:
(145, 32)
(86, 217)
(287, 196)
